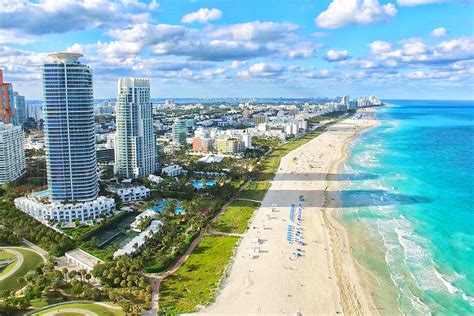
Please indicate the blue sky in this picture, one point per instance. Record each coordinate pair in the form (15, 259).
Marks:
(297, 48)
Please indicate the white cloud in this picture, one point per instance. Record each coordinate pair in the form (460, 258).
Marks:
(346, 12)
(337, 55)
(411, 3)
(202, 15)
(380, 47)
(237, 64)
(53, 16)
(319, 74)
(439, 32)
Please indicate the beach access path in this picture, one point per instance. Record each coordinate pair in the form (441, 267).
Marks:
(275, 282)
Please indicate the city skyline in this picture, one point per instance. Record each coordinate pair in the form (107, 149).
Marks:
(394, 49)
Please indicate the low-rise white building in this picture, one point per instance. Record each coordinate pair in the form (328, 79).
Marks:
(82, 259)
(40, 208)
(131, 194)
(133, 245)
(141, 217)
(155, 179)
(172, 171)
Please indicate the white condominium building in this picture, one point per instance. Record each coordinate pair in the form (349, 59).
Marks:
(12, 154)
(135, 151)
(69, 129)
(34, 206)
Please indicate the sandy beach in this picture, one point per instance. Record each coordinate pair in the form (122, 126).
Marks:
(302, 263)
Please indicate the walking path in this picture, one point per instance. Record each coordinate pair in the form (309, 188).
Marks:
(249, 200)
(72, 311)
(18, 262)
(43, 253)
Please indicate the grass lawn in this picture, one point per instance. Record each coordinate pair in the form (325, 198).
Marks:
(255, 190)
(30, 260)
(197, 280)
(7, 256)
(236, 217)
(98, 309)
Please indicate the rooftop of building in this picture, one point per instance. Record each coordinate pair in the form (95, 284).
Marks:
(83, 257)
(65, 57)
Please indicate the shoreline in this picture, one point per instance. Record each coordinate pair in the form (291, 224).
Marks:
(325, 280)
(355, 295)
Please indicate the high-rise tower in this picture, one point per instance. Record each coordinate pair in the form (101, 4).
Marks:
(6, 100)
(69, 129)
(135, 152)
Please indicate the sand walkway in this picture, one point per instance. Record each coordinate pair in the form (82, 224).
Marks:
(312, 284)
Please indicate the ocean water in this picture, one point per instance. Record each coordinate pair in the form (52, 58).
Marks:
(410, 209)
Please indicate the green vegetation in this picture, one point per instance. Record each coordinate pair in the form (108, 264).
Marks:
(27, 227)
(197, 280)
(7, 238)
(30, 261)
(236, 217)
(255, 190)
(95, 308)
(7, 256)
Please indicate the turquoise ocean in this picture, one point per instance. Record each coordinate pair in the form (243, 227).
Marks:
(409, 210)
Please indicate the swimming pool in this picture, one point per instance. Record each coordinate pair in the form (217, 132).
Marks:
(159, 205)
(199, 185)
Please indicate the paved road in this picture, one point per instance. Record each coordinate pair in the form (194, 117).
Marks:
(18, 262)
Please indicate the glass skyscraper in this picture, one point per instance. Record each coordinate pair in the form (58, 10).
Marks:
(135, 152)
(69, 129)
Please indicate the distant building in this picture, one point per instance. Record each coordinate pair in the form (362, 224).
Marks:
(19, 109)
(201, 143)
(259, 119)
(172, 171)
(229, 145)
(345, 100)
(12, 153)
(6, 101)
(105, 154)
(179, 132)
(135, 144)
(245, 113)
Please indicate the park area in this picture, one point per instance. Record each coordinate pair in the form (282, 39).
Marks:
(26, 262)
(82, 309)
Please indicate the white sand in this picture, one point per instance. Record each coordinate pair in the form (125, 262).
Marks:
(325, 279)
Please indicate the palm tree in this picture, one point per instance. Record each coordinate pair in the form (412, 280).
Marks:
(65, 272)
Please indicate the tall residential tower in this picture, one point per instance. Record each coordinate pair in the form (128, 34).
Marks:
(69, 128)
(12, 154)
(135, 152)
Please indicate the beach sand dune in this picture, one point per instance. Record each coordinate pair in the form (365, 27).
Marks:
(265, 277)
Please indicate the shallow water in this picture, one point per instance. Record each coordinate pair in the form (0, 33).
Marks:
(410, 215)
